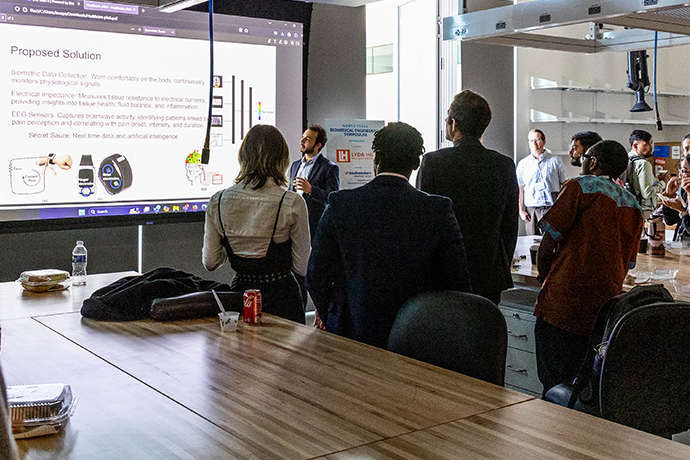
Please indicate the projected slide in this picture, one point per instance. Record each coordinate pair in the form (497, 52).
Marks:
(95, 117)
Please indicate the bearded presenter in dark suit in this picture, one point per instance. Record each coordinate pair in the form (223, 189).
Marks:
(379, 244)
(314, 176)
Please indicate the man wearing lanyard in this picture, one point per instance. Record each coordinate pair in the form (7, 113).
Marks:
(314, 176)
(540, 176)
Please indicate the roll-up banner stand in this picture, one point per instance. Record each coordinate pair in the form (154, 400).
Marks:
(349, 146)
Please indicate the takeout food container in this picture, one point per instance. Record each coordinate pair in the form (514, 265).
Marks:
(39, 410)
(49, 279)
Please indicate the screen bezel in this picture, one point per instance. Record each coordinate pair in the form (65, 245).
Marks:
(267, 9)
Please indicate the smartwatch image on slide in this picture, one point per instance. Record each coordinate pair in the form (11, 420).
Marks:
(115, 174)
(86, 177)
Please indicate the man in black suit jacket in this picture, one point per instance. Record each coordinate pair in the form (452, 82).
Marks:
(483, 187)
(380, 244)
(314, 176)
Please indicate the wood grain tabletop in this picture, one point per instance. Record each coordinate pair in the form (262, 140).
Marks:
(117, 417)
(300, 391)
(184, 389)
(530, 430)
(15, 302)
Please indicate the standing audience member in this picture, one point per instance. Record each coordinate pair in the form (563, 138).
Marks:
(644, 185)
(579, 144)
(482, 186)
(8, 448)
(540, 176)
(382, 243)
(314, 176)
(260, 227)
(675, 210)
(595, 224)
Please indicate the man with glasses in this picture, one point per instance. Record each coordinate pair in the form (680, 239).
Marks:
(540, 176)
(675, 207)
(643, 183)
(579, 144)
(594, 225)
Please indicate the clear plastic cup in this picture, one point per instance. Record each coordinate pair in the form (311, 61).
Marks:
(228, 321)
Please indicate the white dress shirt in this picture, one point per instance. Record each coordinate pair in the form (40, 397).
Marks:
(540, 178)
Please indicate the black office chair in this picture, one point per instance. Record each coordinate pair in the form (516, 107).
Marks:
(458, 331)
(644, 376)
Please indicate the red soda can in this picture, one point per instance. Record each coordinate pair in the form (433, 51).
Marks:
(252, 306)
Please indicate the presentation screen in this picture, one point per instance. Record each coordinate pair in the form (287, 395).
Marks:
(104, 108)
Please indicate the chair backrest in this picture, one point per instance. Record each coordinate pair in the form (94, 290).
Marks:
(645, 374)
(458, 331)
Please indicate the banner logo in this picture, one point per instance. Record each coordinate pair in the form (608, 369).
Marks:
(342, 155)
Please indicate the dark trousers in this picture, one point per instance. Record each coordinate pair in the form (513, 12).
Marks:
(559, 354)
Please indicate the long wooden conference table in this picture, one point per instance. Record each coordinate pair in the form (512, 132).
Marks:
(280, 390)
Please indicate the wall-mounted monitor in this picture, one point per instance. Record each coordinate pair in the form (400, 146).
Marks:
(104, 108)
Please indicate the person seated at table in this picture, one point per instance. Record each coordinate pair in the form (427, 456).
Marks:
(260, 227)
(675, 208)
(595, 224)
(381, 243)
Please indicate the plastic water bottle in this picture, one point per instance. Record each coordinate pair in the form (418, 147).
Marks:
(79, 254)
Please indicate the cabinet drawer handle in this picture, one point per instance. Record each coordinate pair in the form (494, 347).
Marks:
(516, 315)
(515, 369)
(517, 336)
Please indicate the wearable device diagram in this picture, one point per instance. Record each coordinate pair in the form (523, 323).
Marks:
(86, 176)
(115, 174)
(28, 175)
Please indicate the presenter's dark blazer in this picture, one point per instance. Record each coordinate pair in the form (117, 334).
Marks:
(324, 178)
(376, 246)
(483, 187)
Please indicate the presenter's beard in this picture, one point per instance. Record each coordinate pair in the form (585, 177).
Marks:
(306, 151)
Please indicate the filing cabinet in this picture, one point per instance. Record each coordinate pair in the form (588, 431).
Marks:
(517, 306)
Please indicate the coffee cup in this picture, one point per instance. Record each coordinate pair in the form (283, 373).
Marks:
(533, 250)
(643, 246)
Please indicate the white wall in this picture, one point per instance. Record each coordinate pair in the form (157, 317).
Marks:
(597, 70)
(336, 85)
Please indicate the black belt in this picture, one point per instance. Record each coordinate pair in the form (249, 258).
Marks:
(259, 279)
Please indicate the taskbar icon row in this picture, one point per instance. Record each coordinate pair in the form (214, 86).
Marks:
(123, 210)
(142, 209)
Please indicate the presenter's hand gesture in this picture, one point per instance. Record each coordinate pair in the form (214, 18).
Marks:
(525, 216)
(302, 184)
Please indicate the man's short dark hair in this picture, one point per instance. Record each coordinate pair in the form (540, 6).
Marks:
(639, 135)
(321, 137)
(471, 113)
(397, 148)
(611, 156)
(540, 132)
(586, 139)
(687, 136)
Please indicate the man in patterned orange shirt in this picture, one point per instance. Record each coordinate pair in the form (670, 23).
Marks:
(596, 224)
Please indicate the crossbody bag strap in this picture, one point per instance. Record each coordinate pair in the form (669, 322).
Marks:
(220, 215)
(275, 224)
